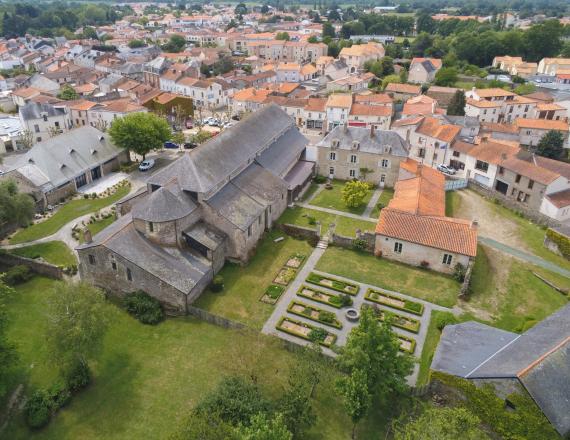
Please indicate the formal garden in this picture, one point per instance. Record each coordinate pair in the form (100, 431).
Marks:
(284, 277)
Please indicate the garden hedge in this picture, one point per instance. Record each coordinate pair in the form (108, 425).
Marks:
(337, 285)
(336, 323)
(299, 335)
(409, 306)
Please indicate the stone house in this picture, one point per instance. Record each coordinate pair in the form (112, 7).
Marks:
(423, 70)
(57, 167)
(44, 120)
(531, 131)
(413, 228)
(402, 92)
(346, 151)
(212, 204)
(358, 54)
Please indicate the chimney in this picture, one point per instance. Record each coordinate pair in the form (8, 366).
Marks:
(372, 128)
(474, 224)
(87, 236)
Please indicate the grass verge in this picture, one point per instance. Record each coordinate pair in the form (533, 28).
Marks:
(54, 252)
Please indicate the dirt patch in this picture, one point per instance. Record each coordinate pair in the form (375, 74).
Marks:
(491, 224)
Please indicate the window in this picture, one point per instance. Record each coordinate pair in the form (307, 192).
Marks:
(114, 265)
(447, 259)
(382, 178)
(352, 173)
(129, 274)
(353, 158)
(56, 124)
(398, 247)
(331, 171)
(385, 163)
(456, 154)
(151, 226)
(482, 166)
(91, 259)
(332, 156)
(530, 184)
(45, 118)
(36, 128)
(518, 178)
(422, 152)
(249, 231)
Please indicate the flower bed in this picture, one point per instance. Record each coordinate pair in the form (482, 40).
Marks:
(295, 261)
(285, 276)
(272, 294)
(322, 297)
(407, 344)
(314, 313)
(403, 322)
(395, 302)
(332, 283)
(302, 330)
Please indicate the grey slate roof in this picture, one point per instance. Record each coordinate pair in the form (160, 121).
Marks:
(57, 160)
(279, 157)
(465, 346)
(36, 110)
(236, 206)
(368, 144)
(208, 166)
(463, 121)
(164, 204)
(260, 184)
(205, 235)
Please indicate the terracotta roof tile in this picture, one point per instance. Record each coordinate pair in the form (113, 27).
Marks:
(541, 124)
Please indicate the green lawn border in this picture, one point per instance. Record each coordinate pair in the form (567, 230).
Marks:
(411, 340)
(298, 335)
(416, 322)
(369, 291)
(270, 300)
(337, 324)
(302, 295)
(323, 277)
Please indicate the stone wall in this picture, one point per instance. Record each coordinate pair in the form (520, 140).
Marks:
(348, 242)
(509, 203)
(464, 291)
(214, 319)
(39, 267)
(311, 235)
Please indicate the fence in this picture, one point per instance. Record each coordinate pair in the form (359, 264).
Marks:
(39, 267)
(452, 185)
(214, 319)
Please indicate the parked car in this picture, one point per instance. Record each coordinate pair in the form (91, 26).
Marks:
(229, 124)
(189, 123)
(445, 169)
(169, 144)
(190, 145)
(236, 117)
(146, 165)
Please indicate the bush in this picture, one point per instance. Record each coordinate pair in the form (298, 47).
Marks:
(144, 307)
(18, 274)
(38, 410)
(318, 334)
(320, 179)
(345, 300)
(459, 272)
(217, 284)
(359, 244)
(444, 318)
(59, 395)
(424, 264)
(78, 376)
(328, 317)
(312, 220)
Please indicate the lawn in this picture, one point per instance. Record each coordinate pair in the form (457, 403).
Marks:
(452, 200)
(507, 295)
(148, 378)
(430, 344)
(243, 286)
(313, 187)
(54, 252)
(366, 268)
(65, 214)
(332, 199)
(344, 225)
(385, 197)
(97, 226)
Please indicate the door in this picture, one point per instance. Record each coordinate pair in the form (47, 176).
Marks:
(96, 173)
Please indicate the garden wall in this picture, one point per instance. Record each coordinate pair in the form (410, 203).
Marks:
(348, 242)
(509, 203)
(312, 235)
(39, 267)
(214, 319)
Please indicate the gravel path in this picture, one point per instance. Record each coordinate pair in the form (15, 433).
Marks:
(373, 201)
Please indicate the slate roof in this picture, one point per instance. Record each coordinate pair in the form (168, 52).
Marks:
(368, 144)
(163, 205)
(35, 110)
(282, 153)
(236, 206)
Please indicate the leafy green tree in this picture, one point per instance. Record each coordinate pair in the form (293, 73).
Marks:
(356, 396)
(313, 39)
(90, 33)
(140, 132)
(8, 355)
(135, 44)
(264, 428)
(175, 44)
(206, 426)
(441, 424)
(328, 30)
(551, 145)
(67, 93)
(353, 193)
(456, 106)
(240, 9)
(15, 207)
(446, 76)
(178, 138)
(265, 9)
(525, 89)
(77, 322)
(282, 36)
(543, 40)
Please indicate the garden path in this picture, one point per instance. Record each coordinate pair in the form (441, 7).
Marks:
(373, 201)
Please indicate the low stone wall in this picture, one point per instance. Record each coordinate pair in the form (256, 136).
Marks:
(312, 235)
(39, 267)
(348, 242)
(509, 203)
(214, 319)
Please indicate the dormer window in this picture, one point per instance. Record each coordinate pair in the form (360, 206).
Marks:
(93, 151)
(335, 143)
(355, 145)
(71, 150)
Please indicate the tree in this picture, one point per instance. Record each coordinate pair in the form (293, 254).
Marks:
(456, 106)
(135, 44)
(356, 396)
(15, 207)
(390, 79)
(446, 76)
(282, 36)
(203, 426)
(551, 145)
(240, 9)
(313, 39)
(67, 93)
(178, 138)
(441, 424)
(265, 9)
(175, 44)
(525, 89)
(90, 33)
(264, 428)
(8, 354)
(27, 138)
(77, 322)
(328, 30)
(140, 132)
(353, 193)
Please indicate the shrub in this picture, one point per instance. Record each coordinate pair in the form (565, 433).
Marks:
(217, 284)
(38, 409)
(18, 274)
(144, 307)
(345, 300)
(424, 264)
(328, 317)
(59, 395)
(359, 244)
(78, 376)
(444, 318)
(320, 179)
(459, 272)
(318, 334)
(312, 220)
(85, 196)
(307, 311)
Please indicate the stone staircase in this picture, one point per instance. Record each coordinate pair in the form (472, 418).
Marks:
(323, 243)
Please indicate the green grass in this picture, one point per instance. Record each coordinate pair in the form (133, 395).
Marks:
(65, 214)
(310, 191)
(344, 225)
(54, 252)
(430, 344)
(97, 226)
(385, 197)
(243, 286)
(332, 199)
(452, 202)
(148, 378)
(366, 268)
(511, 297)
